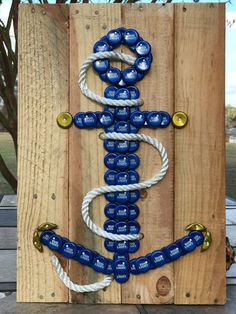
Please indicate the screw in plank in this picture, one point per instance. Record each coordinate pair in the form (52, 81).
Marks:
(138, 296)
(44, 12)
(53, 196)
(35, 195)
(104, 26)
(33, 10)
(96, 12)
(87, 27)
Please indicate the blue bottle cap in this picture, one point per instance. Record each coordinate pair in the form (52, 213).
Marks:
(154, 119)
(90, 119)
(101, 66)
(131, 37)
(64, 240)
(69, 249)
(121, 278)
(122, 178)
(133, 146)
(99, 263)
(142, 65)
(148, 256)
(54, 242)
(133, 176)
(114, 37)
(85, 256)
(122, 83)
(121, 246)
(188, 244)
(134, 227)
(122, 162)
(121, 266)
(137, 119)
(110, 108)
(113, 75)
(150, 57)
(103, 76)
(134, 161)
(109, 160)
(110, 129)
(109, 269)
(118, 255)
(109, 145)
(197, 236)
(122, 197)
(134, 196)
(122, 146)
(110, 92)
(132, 266)
(101, 46)
(134, 91)
(121, 30)
(143, 48)
(133, 211)
(122, 94)
(110, 177)
(134, 108)
(140, 76)
(122, 113)
(109, 225)
(106, 118)
(134, 246)
(121, 212)
(45, 235)
(133, 129)
(78, 120)
(173, 251)
(130, 75)
(110, 197)
(166, 119)
(109, 210)
(121, 227)
(103, 38)
(122, 127)
(158, 258)
(142, 264)
(109, 245)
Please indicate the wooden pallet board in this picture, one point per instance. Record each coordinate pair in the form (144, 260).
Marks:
(57, 167)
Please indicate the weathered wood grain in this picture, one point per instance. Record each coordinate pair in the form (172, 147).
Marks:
(7, 238)
(43, 146)
(199, 149)
(7, 266)
(7, 217)
(88, 23)
(155, 24)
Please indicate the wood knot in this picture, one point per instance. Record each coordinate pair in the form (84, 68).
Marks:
(163, 286)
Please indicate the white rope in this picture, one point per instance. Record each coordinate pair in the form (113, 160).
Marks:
(113, 188)
(130, 187)
(75, 287)
(99, 99)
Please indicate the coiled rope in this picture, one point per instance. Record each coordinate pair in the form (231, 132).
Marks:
(112, 188)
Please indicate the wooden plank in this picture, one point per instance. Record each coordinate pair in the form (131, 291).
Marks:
(199, 148)
(231, 217)
(231, 234)
(155, 24)
(7, 266)
(7, 238)
(43, 146)
(7, 217)
(88, 23)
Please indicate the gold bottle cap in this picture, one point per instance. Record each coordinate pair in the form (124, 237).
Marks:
(64, 120)
(179, 119)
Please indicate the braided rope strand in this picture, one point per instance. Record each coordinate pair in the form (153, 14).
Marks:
(75, 287)
(113, 188)
(130, 187)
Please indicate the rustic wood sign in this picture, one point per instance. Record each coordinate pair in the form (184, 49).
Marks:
(57, 167)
